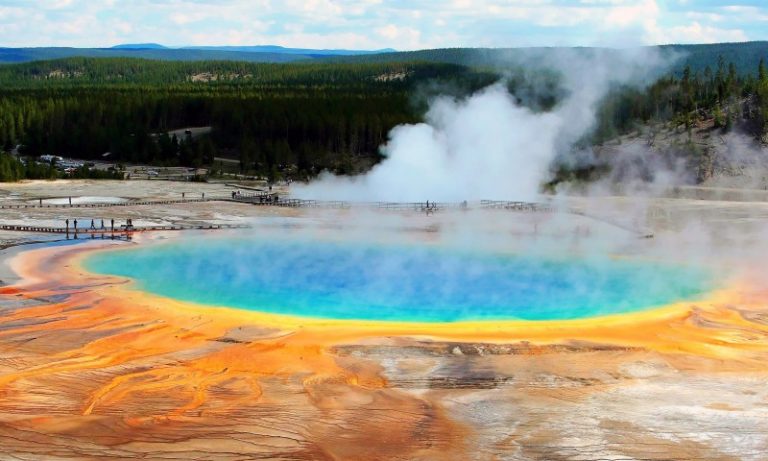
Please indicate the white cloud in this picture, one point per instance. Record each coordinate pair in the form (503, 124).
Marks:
(747, 13)
(394, 34)
(373, 23)
(697, 33)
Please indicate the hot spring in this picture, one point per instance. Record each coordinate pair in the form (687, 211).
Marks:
(396, 281)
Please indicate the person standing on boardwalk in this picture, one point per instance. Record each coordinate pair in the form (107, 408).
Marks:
(75, 226)
(93, 224)
(67, 222)
(112, 223)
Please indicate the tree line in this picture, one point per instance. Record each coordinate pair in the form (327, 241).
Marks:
(275, 119)
(721, 94)
(299, 119)
(13, 169)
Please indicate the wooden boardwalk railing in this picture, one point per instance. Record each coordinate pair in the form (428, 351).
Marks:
(272, 199)
(516, 206)
(108, 204)
(117, 230)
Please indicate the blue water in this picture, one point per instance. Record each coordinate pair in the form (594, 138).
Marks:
(396, 282)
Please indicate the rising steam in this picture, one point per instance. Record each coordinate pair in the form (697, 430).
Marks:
(489, 146)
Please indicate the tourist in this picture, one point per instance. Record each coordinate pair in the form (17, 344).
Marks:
(67, 222)
(93, 224)
(112, 222)
(75, 226)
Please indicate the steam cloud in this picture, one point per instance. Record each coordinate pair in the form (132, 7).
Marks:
(489, 146)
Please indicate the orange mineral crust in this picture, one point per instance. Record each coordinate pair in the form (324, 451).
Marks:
(91, 369)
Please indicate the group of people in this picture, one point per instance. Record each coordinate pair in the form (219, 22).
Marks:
(430, 208)
(128, 225)
(268, 198)
(263, 198)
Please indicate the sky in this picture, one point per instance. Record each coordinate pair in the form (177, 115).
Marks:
(376, 24)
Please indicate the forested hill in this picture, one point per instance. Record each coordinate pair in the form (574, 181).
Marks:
(744, 56)
(192, 53)
(298, 119)
(278, 120)
(698, 57)
(18, 55)
(203, 74)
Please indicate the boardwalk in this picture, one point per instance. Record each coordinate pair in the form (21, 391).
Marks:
(432, 207)
(272, 199)
(117, 230)
(107, 204)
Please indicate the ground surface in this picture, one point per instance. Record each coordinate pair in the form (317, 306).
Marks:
(90, 370)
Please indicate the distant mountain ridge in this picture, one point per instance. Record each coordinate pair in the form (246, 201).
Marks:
(253, 49)
(280, 49)
(257, 53)
(20, 55)
(140, 46)
(744, 56)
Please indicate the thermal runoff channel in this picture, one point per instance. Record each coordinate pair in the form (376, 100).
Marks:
(396, 282)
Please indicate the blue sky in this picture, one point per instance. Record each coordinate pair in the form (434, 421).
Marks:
(370, 24)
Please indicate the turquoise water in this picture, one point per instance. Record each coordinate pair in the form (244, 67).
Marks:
(396, 282)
